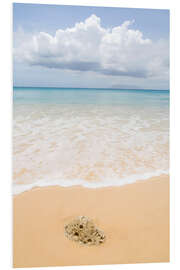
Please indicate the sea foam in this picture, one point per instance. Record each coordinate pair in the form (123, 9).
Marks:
(19, 188)
(88, 145)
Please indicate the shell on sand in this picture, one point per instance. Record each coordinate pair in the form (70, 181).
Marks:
(83, 231)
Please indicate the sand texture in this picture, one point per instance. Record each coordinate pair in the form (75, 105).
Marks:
(134, 219)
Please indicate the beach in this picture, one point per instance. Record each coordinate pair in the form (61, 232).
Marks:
(99, 153)
(134, 218)
(90, 146)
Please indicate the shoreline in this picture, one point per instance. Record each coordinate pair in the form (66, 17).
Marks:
(90, 185)
(134, 218)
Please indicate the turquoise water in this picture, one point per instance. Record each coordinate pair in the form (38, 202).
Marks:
(89, 137)
(28, 95)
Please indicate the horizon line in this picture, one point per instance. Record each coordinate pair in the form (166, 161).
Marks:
(98, 88)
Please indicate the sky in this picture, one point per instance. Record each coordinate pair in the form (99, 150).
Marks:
(92, 47)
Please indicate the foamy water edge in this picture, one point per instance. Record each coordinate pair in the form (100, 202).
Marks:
(20, 188)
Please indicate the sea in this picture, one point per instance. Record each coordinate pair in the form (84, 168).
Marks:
(88, 137)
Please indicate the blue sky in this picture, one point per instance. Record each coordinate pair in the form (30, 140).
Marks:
(127, 70)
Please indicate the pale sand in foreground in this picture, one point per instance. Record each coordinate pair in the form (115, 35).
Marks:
(135, 219)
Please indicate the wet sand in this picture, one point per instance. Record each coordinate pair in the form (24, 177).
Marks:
(134, 218)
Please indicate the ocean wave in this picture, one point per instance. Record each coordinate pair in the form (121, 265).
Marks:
(92, 146)
(20, 188)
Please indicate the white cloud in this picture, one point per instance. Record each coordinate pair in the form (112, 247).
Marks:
(120, 51)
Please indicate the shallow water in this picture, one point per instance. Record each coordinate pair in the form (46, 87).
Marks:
(88, 137)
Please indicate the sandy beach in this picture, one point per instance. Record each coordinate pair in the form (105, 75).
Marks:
(134, 218)
(90, 140)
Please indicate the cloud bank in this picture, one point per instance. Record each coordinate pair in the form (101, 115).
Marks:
(119, 51)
